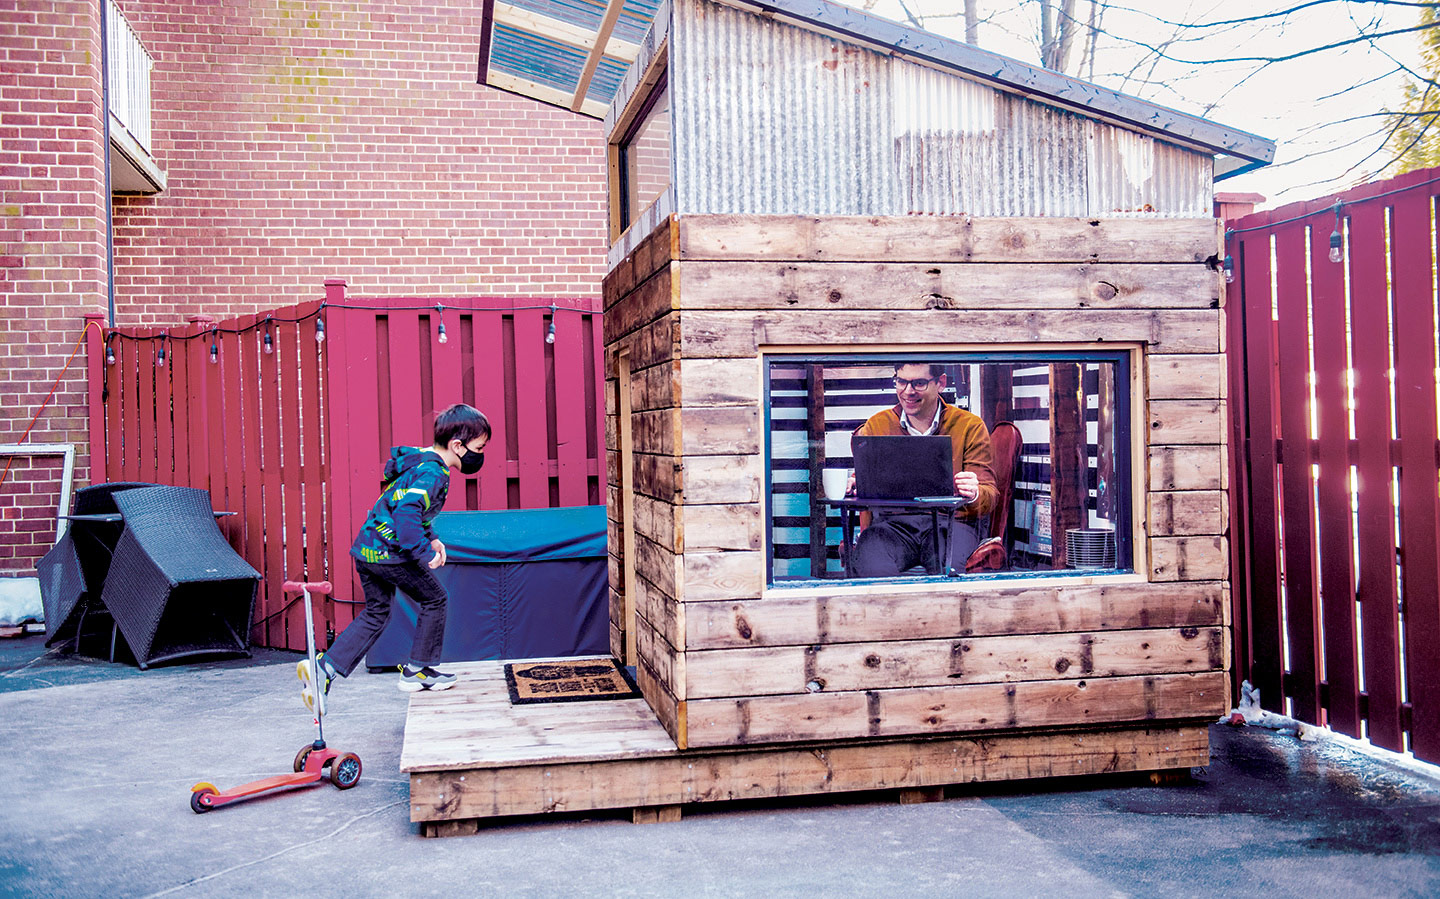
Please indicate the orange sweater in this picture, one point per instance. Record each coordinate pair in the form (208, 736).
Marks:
(969, 442)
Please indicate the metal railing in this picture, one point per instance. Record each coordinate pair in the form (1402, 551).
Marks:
(130, 67)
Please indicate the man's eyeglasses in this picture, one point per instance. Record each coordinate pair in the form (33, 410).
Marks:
(918, 383)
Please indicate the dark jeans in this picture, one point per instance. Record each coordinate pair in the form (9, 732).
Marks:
(896, 543)
(380, 583)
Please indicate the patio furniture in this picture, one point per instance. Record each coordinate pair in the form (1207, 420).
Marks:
(72, 572)
(175, 586)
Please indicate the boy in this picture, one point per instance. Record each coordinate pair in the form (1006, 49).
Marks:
(396, 547)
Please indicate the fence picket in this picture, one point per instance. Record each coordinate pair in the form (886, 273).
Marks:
(491, 397)
(446, 390)
(1376, 589)
(1337, 575)
(1297, 540)
(530, 426)
(1266, 649)
(570, 418)
(1412, 241)
(403, 354)
(164, 445)
(95, 344)
(333, 358)
(181, 449)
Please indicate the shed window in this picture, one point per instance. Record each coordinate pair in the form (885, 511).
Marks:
(1069, 494)
(645, 158)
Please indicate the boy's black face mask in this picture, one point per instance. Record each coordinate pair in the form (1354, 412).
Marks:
(471, 462)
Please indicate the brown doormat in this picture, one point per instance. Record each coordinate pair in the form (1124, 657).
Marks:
(568, 680)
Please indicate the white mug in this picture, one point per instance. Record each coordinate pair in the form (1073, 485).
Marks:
(834, 480)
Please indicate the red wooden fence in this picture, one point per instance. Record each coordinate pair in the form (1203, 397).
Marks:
(292, 433)
(1336, 464)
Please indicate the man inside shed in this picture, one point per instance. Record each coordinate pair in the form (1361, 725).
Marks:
(898, 541)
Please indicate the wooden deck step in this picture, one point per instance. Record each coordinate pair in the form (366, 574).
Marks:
(472, 755)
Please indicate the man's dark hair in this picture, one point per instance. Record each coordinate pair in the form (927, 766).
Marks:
(935, 370)
(460, 422)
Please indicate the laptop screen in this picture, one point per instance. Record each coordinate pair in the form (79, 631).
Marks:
(902, 467)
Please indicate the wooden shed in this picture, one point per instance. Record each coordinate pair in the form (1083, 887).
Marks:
(803, 197)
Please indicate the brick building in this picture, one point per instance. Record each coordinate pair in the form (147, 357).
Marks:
(294, 142)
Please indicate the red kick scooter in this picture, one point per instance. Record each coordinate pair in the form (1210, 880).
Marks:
(313, 758)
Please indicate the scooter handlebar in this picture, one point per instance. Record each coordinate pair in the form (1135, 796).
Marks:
(321, 587)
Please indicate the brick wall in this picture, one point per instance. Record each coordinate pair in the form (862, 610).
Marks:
(300, 141)
(52, 251)
(305, 141)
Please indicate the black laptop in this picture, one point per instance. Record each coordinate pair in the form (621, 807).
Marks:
(903, 467)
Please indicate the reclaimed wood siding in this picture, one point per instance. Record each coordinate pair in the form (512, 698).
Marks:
(742, 666)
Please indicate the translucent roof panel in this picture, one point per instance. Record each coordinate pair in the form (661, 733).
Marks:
(535, 58)
(546, 48)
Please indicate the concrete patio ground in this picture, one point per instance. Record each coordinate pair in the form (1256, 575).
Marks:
(97, 760)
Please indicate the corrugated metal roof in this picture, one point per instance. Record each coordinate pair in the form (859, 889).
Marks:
(819, 127)
(559, 29)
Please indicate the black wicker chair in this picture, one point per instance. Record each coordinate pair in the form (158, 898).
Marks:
(175, 587)
(72, 572)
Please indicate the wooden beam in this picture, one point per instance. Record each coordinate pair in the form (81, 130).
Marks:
(714, 334)
(627, 503)
(815, 439)
(846, 286)
(838, 667)
(963, 708)
(955, 610)
(1068, 456)
(674, 778)
(945, 238)
(525, 87)
(563, 32)
(602, 37)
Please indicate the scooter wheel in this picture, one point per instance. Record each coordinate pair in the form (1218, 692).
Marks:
(345, 773)
(198, 805)
(301, 756)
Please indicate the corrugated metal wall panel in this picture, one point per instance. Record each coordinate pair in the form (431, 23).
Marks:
(777, 118)
(770, 118)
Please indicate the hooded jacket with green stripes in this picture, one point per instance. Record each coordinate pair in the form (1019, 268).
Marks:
(413, 492)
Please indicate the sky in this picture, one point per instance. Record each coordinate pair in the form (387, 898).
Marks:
(1303, 104)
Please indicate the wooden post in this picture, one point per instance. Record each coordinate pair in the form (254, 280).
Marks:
(1105, 493)
(627, 504)
(997, 392)
(1067, 455)
(815, 434)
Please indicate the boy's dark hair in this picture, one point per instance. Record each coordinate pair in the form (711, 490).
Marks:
(460, 422)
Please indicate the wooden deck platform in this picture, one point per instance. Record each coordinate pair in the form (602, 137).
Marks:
(471, 754)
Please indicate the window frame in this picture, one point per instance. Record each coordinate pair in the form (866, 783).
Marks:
(1129, 465)
(627, 214)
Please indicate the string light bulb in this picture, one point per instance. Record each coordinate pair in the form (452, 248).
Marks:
(441, 311)
(319, 329)
(214, 348)
(550, 332)
(160, 356)
(109, 353)
(269, 342)
(1227, 268)
(1337, 240)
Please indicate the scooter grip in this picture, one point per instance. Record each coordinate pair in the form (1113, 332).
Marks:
(321, 587)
